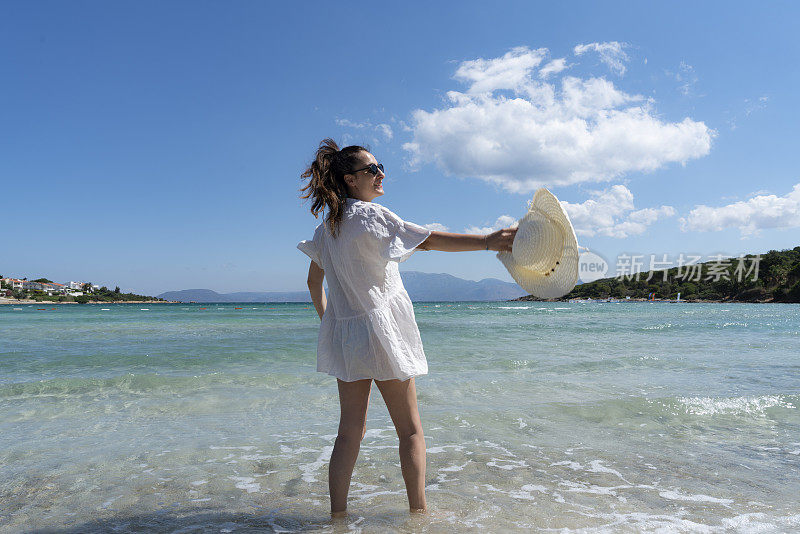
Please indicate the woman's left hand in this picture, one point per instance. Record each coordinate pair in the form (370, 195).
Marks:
(501, 240)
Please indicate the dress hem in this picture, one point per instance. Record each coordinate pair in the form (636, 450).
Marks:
(400, 378)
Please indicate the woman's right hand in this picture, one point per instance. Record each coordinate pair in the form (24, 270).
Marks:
(501, 240)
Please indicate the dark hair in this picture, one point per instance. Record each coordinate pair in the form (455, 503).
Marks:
(326, 185)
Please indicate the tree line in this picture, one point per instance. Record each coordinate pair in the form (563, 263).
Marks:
(775, 278)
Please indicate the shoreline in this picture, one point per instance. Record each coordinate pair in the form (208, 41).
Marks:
(639, 299)
(28, 301)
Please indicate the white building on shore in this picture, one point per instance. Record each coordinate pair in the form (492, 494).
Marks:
(51, 288)
(13, 283)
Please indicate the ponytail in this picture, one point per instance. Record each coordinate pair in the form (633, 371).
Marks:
(326, 186)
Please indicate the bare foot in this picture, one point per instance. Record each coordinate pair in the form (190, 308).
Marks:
(343, 513)
(418, 510)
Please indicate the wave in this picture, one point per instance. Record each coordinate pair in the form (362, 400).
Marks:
(676, 410)
(733, 405)
(659, 326)
(146, 383)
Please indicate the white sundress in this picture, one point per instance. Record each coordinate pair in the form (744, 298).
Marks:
(368, 329)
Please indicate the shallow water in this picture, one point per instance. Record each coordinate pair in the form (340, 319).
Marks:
(553, 416)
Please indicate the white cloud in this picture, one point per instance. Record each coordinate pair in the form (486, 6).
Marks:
(382, 128)
(750, 106)
(754, 105)
(504, 221)
(547, 134)
(436, 227)
(611, 53)
(749, 216)
(351, 124)
(386, 130)
(554, 67)
(508, 72)
(611, 213)
(685, 76)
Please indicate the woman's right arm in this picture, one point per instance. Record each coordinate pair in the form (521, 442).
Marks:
(315, 277)
(499, 241)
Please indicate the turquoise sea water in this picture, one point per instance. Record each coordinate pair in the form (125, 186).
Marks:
(566, 417)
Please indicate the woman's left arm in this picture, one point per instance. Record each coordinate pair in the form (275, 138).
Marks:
(315, 277)
(500, 240)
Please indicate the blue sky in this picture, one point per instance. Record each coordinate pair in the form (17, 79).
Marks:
(159, 146)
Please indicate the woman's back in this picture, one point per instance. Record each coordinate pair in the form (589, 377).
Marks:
(368, 329)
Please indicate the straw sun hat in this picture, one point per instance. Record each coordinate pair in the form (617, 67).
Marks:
(544, 256)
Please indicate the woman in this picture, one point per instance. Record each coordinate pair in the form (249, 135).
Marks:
(369, 330)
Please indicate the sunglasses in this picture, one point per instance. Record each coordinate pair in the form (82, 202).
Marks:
(373, 169)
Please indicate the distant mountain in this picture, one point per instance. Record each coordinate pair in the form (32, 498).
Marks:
(446, 287)
(420, 287)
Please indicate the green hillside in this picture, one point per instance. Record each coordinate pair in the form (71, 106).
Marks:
(777, 280)
(90, 294)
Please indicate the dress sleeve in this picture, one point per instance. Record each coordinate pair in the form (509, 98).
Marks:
(311, 248)
(403, 239)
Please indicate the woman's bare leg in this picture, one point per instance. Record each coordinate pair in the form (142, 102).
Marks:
(353, 400)
(401, 400)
